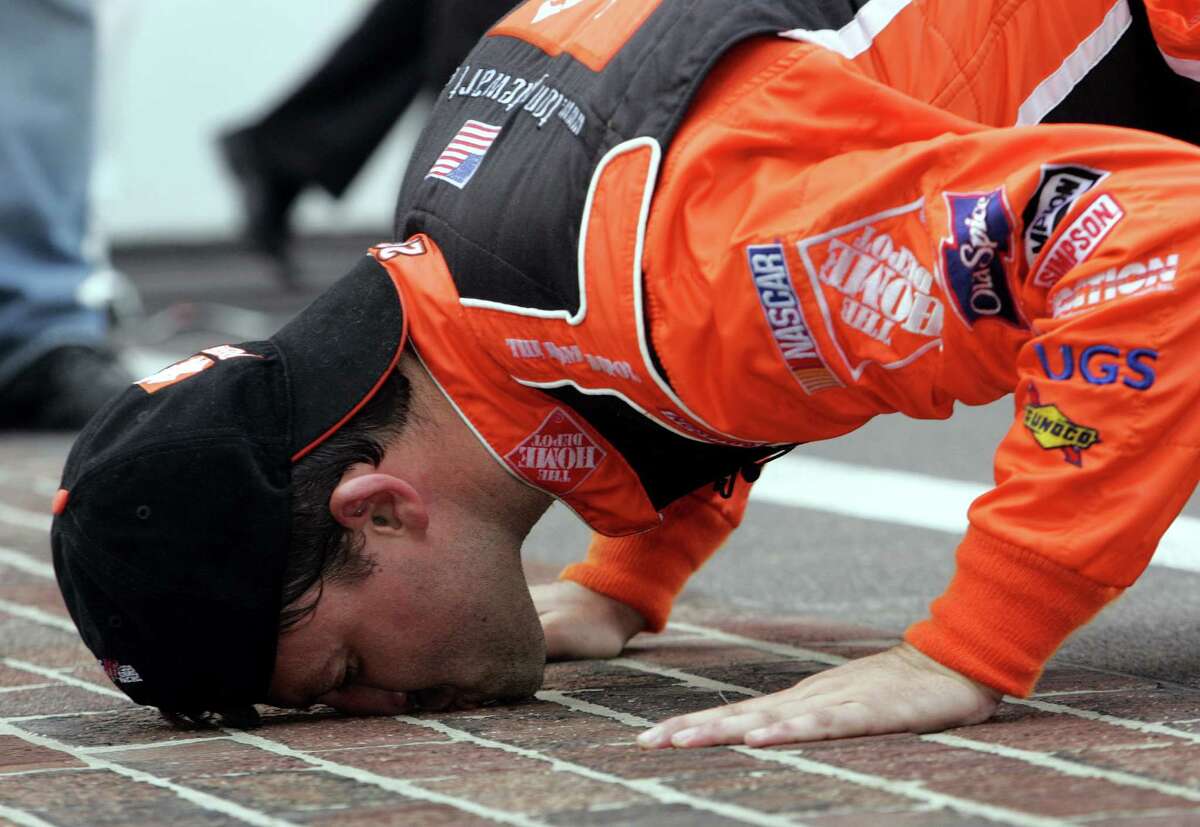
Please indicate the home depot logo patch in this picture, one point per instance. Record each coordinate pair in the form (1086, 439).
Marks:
(558, 456)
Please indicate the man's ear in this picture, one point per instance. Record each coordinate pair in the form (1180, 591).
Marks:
(379, 501)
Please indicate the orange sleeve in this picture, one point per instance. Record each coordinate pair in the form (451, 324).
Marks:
(1089, 313)
(1103, 452)
(646, 571)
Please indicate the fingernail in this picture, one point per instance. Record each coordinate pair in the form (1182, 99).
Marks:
(683, 737)
(650, 737)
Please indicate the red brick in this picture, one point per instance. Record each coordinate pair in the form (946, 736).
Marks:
(17, 755)
(986, 778)
(102, 799)
(55, 699)
(182, 762)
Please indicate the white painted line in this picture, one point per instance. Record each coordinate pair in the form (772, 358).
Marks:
(37, 616)
(151, 745)
(23, 518)
(685, 678)
(907, 789)
(783, 649)
(20, 719)
(1126, 723)
(649, 787)
(22, 818)
(25, 688)
(200, 799)
(1061, 765)
(56, 675)
(27, 563)
(395, 785)
(917, 500)
(46, 771)
(910, 789)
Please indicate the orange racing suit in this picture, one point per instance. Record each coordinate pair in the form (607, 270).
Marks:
(846, 226)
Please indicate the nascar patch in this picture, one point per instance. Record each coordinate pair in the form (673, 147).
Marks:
(781, 306)
(977, 255)
(1053, 430)
(463, 156)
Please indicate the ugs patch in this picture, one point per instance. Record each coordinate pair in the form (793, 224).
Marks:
(880, 303)
(1053, 430)
(977, 256)
(785, 317)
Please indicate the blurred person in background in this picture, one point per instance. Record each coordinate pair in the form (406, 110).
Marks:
(56, 367)
(323, 133)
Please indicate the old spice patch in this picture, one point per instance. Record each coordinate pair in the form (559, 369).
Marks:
(558, 456)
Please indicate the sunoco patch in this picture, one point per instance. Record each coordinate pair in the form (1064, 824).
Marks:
(1053, 430)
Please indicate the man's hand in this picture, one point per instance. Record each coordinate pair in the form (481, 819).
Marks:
(900, 690)
(581, 623)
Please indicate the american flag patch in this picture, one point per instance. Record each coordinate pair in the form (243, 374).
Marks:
(462, 156)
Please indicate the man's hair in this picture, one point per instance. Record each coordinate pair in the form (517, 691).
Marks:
(321, 549)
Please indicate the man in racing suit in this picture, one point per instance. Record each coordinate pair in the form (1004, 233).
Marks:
(633, 288)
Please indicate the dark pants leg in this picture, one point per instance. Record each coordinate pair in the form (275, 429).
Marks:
(325, 131)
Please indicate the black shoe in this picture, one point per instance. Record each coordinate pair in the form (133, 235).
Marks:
(62, 390)
(267, 199)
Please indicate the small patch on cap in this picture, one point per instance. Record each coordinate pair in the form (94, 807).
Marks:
(59, 504)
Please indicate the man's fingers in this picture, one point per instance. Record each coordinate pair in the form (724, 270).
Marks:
(844, 720)
(664, 733)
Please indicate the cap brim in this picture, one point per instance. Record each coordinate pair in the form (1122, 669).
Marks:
(338, 352)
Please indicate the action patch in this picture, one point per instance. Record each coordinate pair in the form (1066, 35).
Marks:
(977, 256)
(1135, 279)
(785, 317)
(1053, 430)
(558, 456)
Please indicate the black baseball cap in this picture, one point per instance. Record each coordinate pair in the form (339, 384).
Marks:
(171, 529)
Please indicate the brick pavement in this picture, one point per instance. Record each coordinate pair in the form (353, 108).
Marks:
(1092, 748)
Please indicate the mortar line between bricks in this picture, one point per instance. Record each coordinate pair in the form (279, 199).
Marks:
(23, 818)
(24, 518)
(46, 771)
(404, 788)
(69, 680)
(36, 615)
(21, 561)
(1126, 723)
(20, 719)
(1045, 760)
(696, 681)
(395, 785)
(913, 790)
(24, 687)
(201, 799)
(154, 745)
(1138, 814)
(761, 645)
(650, 787)
(1071, 768)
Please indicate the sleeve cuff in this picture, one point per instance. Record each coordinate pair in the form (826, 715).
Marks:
(1005, 613)
(647, 571)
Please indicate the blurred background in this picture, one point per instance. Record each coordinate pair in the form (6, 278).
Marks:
(175, 75)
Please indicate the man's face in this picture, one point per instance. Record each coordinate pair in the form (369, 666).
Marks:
(421, 631)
